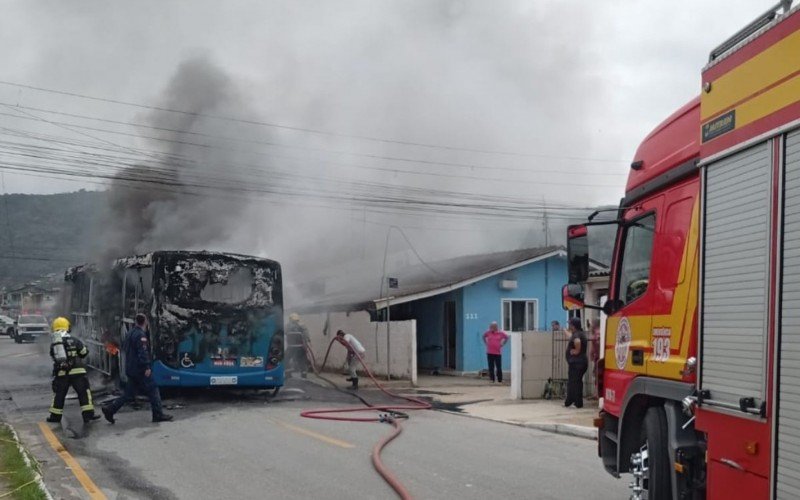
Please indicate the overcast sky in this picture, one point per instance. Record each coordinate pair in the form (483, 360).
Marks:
(507, 103)
(553, 78)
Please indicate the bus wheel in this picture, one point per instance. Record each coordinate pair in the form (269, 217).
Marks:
(650, 466)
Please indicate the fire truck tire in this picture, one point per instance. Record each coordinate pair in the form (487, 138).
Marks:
(659, 485)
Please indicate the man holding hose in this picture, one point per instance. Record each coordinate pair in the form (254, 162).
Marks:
(353, 346)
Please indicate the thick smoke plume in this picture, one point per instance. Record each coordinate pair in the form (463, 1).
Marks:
(441, 73)
(170, 202)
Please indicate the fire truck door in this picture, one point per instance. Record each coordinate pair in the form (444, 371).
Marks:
(630, 326)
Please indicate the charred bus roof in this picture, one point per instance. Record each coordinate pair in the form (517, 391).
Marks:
(146, 260)
(672, 145)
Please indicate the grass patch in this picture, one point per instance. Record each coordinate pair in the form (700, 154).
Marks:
(17, 479)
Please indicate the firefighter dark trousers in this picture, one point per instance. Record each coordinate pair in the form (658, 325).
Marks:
(61, 386)
(298, 358)
(575, 383)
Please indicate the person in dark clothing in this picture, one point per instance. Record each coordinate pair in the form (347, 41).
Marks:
(139, 372)
(69, 371)
(578, 363)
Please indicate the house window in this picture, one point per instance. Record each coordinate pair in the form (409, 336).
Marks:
(519, 315)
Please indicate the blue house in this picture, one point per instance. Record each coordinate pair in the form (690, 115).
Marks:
(454, 301)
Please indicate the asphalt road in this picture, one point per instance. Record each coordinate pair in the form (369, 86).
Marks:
(227, 445)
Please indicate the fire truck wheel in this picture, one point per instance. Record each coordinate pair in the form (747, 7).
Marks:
(659, 486)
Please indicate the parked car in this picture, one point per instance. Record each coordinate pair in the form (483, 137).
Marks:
(29, 327)
(6, 325)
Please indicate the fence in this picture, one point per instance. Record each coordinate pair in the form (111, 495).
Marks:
(560, 371)
(539, 367)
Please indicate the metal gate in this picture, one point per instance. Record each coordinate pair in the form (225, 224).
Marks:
(560, 369)
(559, 373)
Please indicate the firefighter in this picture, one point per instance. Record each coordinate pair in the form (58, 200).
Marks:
(296, 340)
(69, 370)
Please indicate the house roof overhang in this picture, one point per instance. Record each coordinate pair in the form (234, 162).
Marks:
(382, 302)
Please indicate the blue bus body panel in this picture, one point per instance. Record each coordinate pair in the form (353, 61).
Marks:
(169, 377)
(225, 358)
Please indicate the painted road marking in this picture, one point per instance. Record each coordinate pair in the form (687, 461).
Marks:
(80, 474)
(19, 355)
(312, 434)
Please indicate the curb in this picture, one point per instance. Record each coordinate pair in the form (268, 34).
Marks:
(573, 430)
(26, 458)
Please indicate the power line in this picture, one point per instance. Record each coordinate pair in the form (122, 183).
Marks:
(369, 186)
(272, 155)
(304, 129)
(287, 146)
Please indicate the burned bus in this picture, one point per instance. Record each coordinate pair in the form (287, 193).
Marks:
(215, 318)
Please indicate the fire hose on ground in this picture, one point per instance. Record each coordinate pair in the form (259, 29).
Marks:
(390, 414)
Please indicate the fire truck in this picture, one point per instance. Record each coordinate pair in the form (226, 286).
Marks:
(699, 379)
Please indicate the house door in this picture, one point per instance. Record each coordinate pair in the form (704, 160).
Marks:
(450, 334)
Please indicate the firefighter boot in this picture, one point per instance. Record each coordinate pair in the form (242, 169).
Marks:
(53, 418)
(354, 380)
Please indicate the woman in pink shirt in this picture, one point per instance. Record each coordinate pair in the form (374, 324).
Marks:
(495, 340)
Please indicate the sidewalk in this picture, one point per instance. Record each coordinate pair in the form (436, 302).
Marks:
(479, 398)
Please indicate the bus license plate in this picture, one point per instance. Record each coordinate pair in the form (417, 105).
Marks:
(224, 380)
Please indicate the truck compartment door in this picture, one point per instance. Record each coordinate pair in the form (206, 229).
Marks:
(735, 279)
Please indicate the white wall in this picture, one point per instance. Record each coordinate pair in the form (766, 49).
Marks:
(373, 336)
(532, 362)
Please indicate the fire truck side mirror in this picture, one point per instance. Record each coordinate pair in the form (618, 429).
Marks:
(572, 297)
(611, 306)
(578, 253)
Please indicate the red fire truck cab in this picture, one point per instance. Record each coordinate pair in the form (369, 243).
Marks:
(700, 384)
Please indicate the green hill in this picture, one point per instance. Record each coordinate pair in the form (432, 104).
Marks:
(42, 234)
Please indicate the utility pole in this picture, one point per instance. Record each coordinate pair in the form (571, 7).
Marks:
(388, 337)
(546, 261)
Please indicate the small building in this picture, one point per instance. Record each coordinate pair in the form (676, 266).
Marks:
(30, 298)
(454, 301)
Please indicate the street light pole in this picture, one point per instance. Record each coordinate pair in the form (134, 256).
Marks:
(388, 337)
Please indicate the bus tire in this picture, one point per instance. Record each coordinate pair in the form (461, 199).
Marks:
(659, 481)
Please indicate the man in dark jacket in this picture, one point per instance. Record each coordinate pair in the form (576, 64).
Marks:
(69, 371)
(578, 363)
(140, 376)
